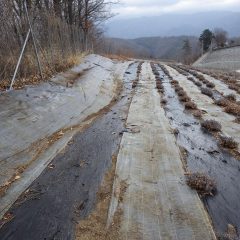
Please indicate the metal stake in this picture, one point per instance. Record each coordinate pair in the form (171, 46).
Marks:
(34, 40)
(19, 60)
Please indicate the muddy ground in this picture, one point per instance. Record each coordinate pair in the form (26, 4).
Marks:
(66, 191)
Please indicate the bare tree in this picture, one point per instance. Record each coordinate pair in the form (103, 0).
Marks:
(63, 28)
(220, 37)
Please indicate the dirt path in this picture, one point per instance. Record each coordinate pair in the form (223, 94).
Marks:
(156, 203)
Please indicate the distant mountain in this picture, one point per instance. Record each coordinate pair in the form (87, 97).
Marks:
(169, 48)
(174, 25)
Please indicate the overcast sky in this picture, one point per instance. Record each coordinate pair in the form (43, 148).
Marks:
(138, 8)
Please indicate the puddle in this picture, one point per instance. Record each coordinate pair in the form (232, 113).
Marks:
(204, 155)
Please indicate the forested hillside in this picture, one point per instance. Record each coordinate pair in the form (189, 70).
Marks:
(62, 29)
(169, 48)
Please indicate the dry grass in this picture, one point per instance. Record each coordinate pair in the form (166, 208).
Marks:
(181, 93)
(164, 101)
(210, 85)
(228, 142)
(202, 183)
(184, 98)
(231, 97)
(197, 113)
(174, 82)
(94, 227)
(222, 102)
(231, 234)
(207, 92)
(233, 109)
(190, 105)
(30, 76)
(134, 84)
(211, 125)
(198, 84)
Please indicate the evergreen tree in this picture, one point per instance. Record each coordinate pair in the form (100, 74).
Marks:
(206, 39)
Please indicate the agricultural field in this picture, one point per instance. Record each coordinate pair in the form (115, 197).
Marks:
(149, 151)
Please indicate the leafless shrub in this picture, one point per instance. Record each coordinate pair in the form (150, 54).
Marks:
(222, 102)
(184, 98)
(198, 84)
(164, 101)
(174, 82)
(178, 89)
(233, 109)
(228, 142)
(181, 93)
(210, 85)
(197, 114)
(207, 92)
(211, 125)
(201, 77)
(233, 87)
(237, 119)
(134, 84)
(231, 97)
(202, 183)
(190, 105)
(231, 234)
(175, 131)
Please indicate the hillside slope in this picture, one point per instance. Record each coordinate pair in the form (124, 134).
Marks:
(169, 48)
(223, 59)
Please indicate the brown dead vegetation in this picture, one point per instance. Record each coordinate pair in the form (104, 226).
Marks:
(190, 105)
(211, 125)
(231, 97)
(228, 142)
(210, 85)
(94, 227)
(202, 183)
(206, 91)
(233, 109)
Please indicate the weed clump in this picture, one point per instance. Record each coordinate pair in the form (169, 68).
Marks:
(181, 93)
(184, 98)
(202, 183)
(164, 101)
(231, 97)
(231, 234)
(233, 109)
(174, 82)
(197, 114)
(190, 105)
(134, 84)
(207, 92)
(228, 142)
(210, 85)
(211, 125)
(198, 84)
(221, 102)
